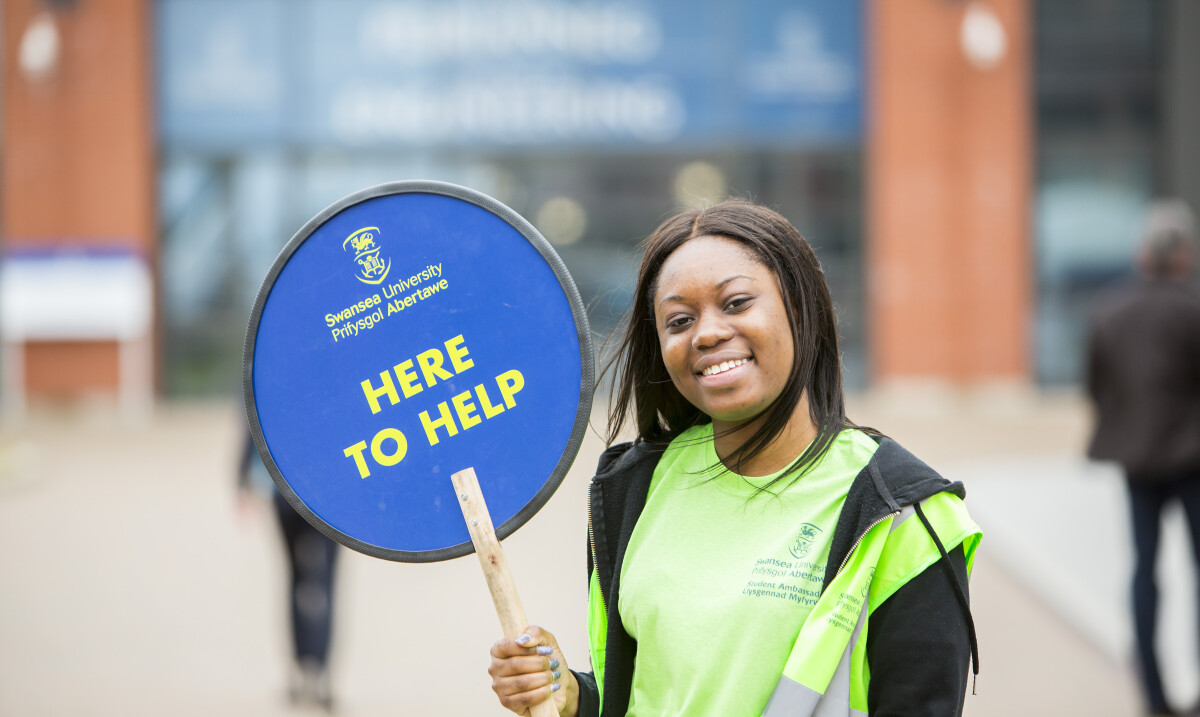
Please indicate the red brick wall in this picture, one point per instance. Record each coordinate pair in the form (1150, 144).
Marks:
(78, 156)
(949, 154)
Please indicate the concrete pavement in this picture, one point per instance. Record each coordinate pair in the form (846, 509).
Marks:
(131, 584)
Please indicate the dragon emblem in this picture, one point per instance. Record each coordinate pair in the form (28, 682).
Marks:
(372, 268)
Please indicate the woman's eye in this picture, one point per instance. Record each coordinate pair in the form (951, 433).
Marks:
(675, 323)
(737, 302)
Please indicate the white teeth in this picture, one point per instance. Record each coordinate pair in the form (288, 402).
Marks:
(723, 367)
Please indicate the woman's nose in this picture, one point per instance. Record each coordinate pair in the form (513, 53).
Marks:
(711, 329)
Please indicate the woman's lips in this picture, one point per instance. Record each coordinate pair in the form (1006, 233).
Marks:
(724, 373)
(723, 366)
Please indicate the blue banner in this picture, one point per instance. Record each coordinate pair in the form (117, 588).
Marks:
(375, 73)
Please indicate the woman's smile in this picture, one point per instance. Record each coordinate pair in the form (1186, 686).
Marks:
(724, 366)
(720, 373)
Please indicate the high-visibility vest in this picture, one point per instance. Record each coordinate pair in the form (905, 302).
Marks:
(826, 674)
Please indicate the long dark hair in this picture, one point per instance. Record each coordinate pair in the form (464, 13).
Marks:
(642, 389)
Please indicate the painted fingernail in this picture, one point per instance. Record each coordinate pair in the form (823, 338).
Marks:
(554, 664)
(556, 687)
(523, 640)
(557, 674)
(543, 649)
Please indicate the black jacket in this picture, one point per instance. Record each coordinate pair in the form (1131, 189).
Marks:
(918, 642)
(1143, 373)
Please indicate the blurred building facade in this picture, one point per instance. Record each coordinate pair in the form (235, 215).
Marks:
(971, 172)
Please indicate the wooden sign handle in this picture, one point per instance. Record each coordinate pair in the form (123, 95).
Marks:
(495, 566)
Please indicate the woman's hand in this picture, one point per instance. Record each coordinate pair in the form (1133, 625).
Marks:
(531, 668)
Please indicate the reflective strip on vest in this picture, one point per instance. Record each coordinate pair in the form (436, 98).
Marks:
(807, 688)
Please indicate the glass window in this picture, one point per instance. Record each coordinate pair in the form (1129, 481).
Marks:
(1097, 69)
(226, 218)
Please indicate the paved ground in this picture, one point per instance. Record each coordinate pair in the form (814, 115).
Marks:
(130, 584)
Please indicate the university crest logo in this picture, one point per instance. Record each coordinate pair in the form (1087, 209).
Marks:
(372, 268)
(804, 540)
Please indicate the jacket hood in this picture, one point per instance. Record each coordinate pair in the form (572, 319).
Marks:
(894, 478)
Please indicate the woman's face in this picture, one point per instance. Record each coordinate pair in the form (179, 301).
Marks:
(723, 329)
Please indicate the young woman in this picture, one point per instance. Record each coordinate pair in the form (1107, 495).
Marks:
(753, 551)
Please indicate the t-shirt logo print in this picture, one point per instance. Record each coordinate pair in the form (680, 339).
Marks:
(804, 540)
(372, 268)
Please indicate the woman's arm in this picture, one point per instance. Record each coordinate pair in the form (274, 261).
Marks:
(589, 694)
(919, 646)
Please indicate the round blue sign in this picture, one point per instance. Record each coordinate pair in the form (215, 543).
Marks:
(408, 332)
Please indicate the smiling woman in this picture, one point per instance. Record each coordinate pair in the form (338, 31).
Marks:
(795, 572)
(785, 303)
(718, 311)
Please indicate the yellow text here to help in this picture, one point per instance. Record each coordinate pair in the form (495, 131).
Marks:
(460, 413)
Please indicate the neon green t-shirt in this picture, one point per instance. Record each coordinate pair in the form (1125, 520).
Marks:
(717, 581)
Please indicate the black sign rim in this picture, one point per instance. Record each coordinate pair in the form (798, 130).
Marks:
(582, 329)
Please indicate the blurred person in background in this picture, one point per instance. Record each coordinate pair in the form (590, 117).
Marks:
(311, 561)
(1143, 375)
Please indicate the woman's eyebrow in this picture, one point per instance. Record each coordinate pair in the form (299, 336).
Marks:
(719, 286)
(735, 276)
